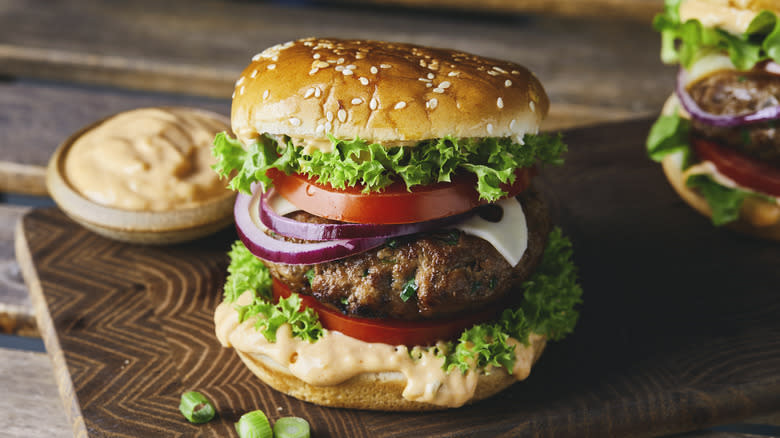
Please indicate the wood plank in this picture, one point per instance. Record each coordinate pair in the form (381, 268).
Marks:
(16, 313)
(30, 403)
(200, 47)
(617, 9)
(662, 346)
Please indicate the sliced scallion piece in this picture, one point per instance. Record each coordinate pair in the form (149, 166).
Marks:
(196, 407)
(291, 427)
(254, 425)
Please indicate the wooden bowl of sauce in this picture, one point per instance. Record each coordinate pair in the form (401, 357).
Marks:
(144, 176)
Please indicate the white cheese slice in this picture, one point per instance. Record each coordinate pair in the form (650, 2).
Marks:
(509, 236)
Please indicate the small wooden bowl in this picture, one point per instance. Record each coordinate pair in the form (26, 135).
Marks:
(145, 227)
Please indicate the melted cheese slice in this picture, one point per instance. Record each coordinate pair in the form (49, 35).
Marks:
(509, 236)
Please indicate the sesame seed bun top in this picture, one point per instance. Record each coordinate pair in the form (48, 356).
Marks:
(387, 93)
(733, 16)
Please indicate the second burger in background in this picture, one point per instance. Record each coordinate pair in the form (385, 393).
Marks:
(717, 137)
(393, 255)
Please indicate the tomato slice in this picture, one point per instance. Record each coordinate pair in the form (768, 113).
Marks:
(395, 204)
(744, 170)
(388, 331)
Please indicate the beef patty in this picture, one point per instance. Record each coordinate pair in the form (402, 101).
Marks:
(453, 272)
(731, 92)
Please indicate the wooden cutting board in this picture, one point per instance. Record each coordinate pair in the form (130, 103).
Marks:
(679, 329)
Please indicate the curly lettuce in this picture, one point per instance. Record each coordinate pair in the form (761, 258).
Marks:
(549, 309)
(374, 167)
(685, 42)
(670, 134)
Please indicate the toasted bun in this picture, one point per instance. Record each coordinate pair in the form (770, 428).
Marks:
(733, 16)
(387, 93)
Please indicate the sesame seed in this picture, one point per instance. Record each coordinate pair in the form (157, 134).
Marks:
(340, 61)
(347, 72)
(339, 68)
(532, 106)
(266, 93)
(424, 79)
(329, 116)
(493, 73)
(320, 64)
(309, 93)
(342, 115)
(432, 103)
(499, 69)
(445, 84)
(490, 128)
(429, 85)
(317, 92)
(507, 83)
(241, 91)
(515, 72)
(320, 129)
(373, 104)
(431, 76)
(275, 58)
(314, 70)
(384, 66)
(254, 73)
(351, 66)
(374, 70)
(271, 66)
(400, 105)
(239, 81)
(500, 102)
(328, 127)
(438, 90)
(295, 121)
(453, 73)
(363, 80)
(360, 55)
(316, 56)
(256, 57)
(357, 101)
(512, 124)
(423, 63)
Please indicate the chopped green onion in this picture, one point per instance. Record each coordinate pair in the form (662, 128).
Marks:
(254, 425)
(291, 427)
(409, 289)
(196, 407)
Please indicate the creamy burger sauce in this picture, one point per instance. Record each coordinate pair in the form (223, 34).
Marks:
(335, 358)
(147, 159)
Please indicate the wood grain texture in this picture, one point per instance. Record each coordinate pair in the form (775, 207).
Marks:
(201, 46)
(30, 403)
(679, 329)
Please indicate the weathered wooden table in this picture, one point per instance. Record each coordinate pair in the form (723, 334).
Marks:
(66, 64)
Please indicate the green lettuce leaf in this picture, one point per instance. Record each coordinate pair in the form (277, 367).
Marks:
(248, 274)
(670, 134)
(551, 295)
(685, 42)
(356, 162)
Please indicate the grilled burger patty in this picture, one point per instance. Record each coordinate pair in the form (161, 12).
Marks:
(453, 272)
(732, 92)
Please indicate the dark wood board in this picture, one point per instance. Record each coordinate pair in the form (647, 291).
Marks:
(679, 329)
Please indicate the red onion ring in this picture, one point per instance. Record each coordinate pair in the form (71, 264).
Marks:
(279, 251)
(698, 114)
(310, 231)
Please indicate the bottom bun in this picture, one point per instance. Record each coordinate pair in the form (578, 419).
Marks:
(757, 217)
(371, 391)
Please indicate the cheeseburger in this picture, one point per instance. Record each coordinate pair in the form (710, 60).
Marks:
(717, 137)
(393, 255)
